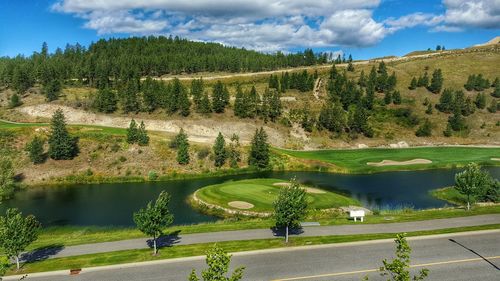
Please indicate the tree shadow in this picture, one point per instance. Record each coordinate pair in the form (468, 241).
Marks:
(166, 240)
(42, 253)
(475, 253)
(281, 232)
(19, 177)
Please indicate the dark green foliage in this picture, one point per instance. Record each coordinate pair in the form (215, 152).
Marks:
(396, 97)
(17, 233)
(205, 107)
(35, 150)
(129, 99)
(494, 106)
(423, 81)
(480, 101)
(15, 101)
(142, 135)
(132, 132)
(22, 77)
(62, 146)
(182, 146)
(259, 152)
(436, 81)
(413, 84)
(457, 121)
(391, 82)
(358, 121)
(496, 91)
(220, 97)
(220, 153)
(290, 207)
(307, 121)
(197, 90)
(271, 105)
(382, 77)
(105, 101)
(274, 82)
(218, 266)
(52, 90)
(388, 98)
(6, 177)
(350, 67)
(240, 103)
(425, 130)
(234, 153)
(406, 117)
(369, 98)
(150, 90)
(184, 103)
(477, 83)
(362, 79)
(446, 101)
(429, 109)
(332, 118)
(154, 218)
(448, 131)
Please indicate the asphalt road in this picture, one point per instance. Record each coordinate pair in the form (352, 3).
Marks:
(210, 237)
(456, 257)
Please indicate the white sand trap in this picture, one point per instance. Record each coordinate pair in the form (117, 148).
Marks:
(495, 159)
(281, 184)
(241, 205)
(313, 190)
(399, 163)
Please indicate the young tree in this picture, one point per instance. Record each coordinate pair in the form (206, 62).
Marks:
(142, 135)
(6, 176)
(52, 89)
(182, 148)
(413, 84)
(218, 266)
(184, 103)
(350, 67)
(425, 130)
(132, 132)
(197, 89)
(219, 97)
(436, 81)
(234, 153)
(220, 153)
(17, 233)
(105, 101)
(387, 97)
(62, 146)
(205, 106)
(154, 218)
(429, 109)
(15, 101)
(290, 207)
(399, 268)
(471, 181)
(396, 97)
(448, 131)
(480, 101)
(259, 152)
(35, 150)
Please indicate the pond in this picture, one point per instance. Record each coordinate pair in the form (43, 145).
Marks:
(114, 204)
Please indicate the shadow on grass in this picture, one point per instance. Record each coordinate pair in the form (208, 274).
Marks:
(42, 253)
(166, 240)
(280, 232)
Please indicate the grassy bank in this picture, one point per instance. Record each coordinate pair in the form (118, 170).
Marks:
(130, 256)
(68, 236)
(355, 160)
(261, 193)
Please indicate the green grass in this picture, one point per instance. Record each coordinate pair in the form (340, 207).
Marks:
(130, 256)
(449, 194)
(262, 193)
(354, 161)
(69, 235)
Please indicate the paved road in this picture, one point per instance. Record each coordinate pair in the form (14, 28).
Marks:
(471, 257)
(268, 234)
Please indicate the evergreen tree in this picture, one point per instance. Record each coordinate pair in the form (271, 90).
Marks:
(493, 106)
(413, 84)
(436, 81)
(142, 135)
(15, 101)
(234, 153)
(423, 81)
(369, 99)
(52, 90)
(259, 152)
(130, 102)
(35, 150)
(253, 103)
(446, 101)
(362, 79)
(448, 131)
(184, 103)
(197, 89)
(391, 82)
(240, 109)
(149, 94)
(6, 177)
(105, 101)
(205, 107)
(182, 148)
(396, 97)
(218, 97)
(350, 67)
(456, 121)
(388, 97)
(480, 101)
(220, 153)
(429, 109)
(61, 145)
(132, 132)
(425, 130)
(333, 118)
(496, 91)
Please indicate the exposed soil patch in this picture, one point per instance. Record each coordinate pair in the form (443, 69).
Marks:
(242, 205)
(399, 163)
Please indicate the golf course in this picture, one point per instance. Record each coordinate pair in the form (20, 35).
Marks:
(258, 195)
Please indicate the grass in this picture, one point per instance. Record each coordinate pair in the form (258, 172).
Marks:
(130, 256)
(262, 193)
(73, 235)
(355, 161)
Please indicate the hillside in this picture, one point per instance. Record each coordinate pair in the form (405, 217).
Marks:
(315, 109)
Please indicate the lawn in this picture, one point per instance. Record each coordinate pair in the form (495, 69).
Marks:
(262, 192)
(355, 160)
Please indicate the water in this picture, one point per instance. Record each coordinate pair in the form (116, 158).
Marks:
(114, 204)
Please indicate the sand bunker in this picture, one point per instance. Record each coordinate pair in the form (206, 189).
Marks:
(495, 159)
(241, 205)
(399, 163)
(281, 184)
(311, 190)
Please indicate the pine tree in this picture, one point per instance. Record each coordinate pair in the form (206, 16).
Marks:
(425, 130)
(350, 67)
(132, 132)
(496, 91)
(396, 97)
(105, 101)
(362, 79)
(15, 101)
(35, 150)
(259, 152)
(182, 148)
(130, 102)
(369, 99)
(480, 101)
(436, 81)
(413, 84)
(429, 109)
(239, 103)
(52, 90)
(253, 103)
(218, 97)
(423, 81)
(142, 135)
(197, 89)
(493, 106)
(448, 131)
(205, 107)
(61, 145)
(391, 82)
(220, 153)
(446, 101)
(184, 103)
(388, 97)
(234, 153)
(274, 105)
(456, 121)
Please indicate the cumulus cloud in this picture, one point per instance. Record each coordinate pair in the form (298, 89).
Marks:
(270, 25)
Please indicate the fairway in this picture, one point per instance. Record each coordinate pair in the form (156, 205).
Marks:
(262, 192)
(355, 160)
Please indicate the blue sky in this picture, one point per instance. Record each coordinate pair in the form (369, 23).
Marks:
(365, 28)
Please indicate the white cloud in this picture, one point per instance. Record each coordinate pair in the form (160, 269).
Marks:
(270, 25)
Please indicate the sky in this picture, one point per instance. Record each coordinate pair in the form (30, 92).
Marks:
(363, 28)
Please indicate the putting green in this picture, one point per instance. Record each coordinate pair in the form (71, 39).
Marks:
(262, 192)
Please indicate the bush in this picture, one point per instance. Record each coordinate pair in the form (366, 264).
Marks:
(152, 176)
(425, 130)
(122, 159)
(203, 153)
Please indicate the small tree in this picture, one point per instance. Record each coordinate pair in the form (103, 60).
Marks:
(398, 268)
(259, 152)
(4, 265)
(17, 233)
(436, 81)
(413, 84)
(61, 145)
(290, 207)
(471, 182)
(35, 150)
(142, 135)
(234, 151)
(429, 109)
(396, 97)
(182, 148)
(154, 218)
(15, 101)
(132, 132)
(425, 130)
(219, 151)
(218, 266)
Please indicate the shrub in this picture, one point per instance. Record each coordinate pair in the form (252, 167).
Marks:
(203, 153)
(152, 175)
